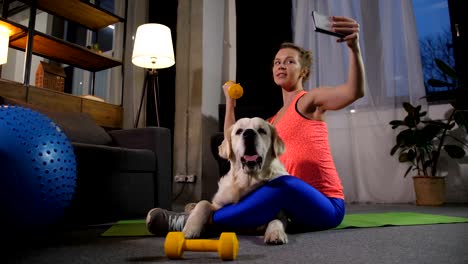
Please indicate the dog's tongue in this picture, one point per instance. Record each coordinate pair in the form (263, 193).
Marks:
(250, 157)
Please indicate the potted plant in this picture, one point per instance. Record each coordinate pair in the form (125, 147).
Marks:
(422, 139)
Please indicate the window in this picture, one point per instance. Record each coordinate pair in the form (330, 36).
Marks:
(441, 26)
(104, 37)
(79, 81)
(435, 41)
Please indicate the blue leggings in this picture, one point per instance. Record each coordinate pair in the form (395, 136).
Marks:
(306, 208)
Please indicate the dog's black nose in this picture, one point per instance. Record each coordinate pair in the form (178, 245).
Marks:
(248, 134)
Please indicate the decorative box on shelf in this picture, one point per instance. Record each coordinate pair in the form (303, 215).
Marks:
(50, 76)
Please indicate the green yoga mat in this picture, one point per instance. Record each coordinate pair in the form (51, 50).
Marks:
(138, 228)
(396, 219)
(127, 228)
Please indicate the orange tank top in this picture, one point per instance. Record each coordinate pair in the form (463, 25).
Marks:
(307, 155)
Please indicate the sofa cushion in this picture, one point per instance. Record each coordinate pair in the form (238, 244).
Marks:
(95, 157)
(79, 127)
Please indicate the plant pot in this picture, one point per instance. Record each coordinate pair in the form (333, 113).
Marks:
(429, 190)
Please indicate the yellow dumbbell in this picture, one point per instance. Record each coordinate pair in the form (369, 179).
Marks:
(235, 90)
(227, 245)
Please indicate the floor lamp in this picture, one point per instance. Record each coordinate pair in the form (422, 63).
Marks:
(152, 50)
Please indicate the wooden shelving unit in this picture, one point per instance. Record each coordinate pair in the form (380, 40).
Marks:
(81, 12)
(78, 11)
(59, 50)
(16, 30)
(106, 115)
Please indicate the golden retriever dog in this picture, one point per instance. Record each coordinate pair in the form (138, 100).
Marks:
(252, 146)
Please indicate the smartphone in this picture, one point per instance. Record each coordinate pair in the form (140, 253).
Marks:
(322, 24)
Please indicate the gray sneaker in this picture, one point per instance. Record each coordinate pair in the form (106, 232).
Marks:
(161, 221)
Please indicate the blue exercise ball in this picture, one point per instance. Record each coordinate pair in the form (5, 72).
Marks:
(37, 169)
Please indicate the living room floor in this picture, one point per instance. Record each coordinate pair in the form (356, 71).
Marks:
(439, 243)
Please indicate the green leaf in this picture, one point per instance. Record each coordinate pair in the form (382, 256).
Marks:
(439, 83)
(405, 138)
(408, 107)
(411, 120)
(418, 108)
(408, 170)
(446, 69)
(407, 156)
(397, 123)
(394, 149)
(439, 124)
(428, 133)
(454, 151)
(404, 157)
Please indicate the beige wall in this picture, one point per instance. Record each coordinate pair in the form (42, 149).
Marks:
(187, 128)
(204, 48)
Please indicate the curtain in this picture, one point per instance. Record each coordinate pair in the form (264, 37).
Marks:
(229, 41)
(360, 136)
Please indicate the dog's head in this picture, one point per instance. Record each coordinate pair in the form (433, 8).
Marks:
(251, 144)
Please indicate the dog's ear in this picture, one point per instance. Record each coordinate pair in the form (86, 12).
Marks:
(277, 142)
(225, 149)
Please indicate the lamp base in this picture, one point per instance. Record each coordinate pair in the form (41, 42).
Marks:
(150, 84)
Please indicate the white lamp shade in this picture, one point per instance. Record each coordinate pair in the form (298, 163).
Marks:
(4, 42)
(153, 47)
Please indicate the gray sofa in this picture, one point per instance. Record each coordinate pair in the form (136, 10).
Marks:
(121, 174)
(122, 178)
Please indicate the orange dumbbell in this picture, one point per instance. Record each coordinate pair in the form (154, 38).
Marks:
(235, 90)
(227, 245)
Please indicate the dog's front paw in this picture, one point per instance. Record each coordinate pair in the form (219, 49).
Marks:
(194, 225)
(192, 231)
(275, 233)
(276, 238)
(197, 220)
(189, 207)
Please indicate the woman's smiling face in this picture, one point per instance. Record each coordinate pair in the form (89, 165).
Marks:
(287, 68)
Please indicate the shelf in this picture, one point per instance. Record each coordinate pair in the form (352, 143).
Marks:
(83, 13)
(65, 52)
(78, 11)
(16, 30)
(59, 50)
